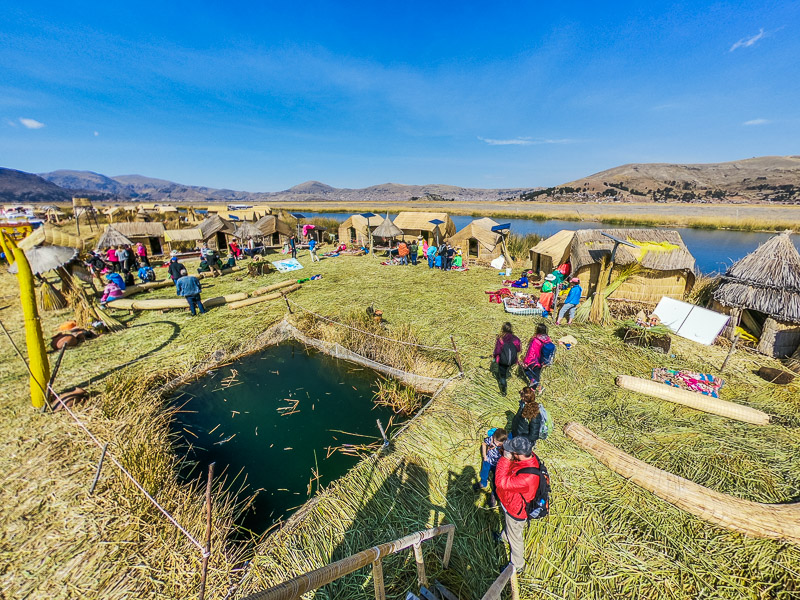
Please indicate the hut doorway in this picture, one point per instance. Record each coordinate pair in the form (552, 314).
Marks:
(155, 246)
(473, 248)
(753, 322)
(222, 241)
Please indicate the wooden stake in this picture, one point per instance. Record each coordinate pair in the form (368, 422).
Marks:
(730, 353)
(289, 306)
(423, 580)
(377, 580)
(458, 356)
(383, 433)
(49, 392)
(99, 468)
(207, 554)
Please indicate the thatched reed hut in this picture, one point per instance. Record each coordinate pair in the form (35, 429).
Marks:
(761, 293)
(274, 232)
(415, 224)
(666, 265)
(354, 229)
(216, 232)
(112, 237)
(151, 235)
(387, 230)
(478, 242)
(186, 238)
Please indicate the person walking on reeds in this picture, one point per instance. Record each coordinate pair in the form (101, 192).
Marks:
(537, 355)
(516, 488)
(491, 450)
(124, 258)
(188, 286)
(403, 252)
(431, 252)
(293, 245)
(141, 252)
(413, 250)
(571, 301)
(312, 249)
(506, 351)
(527, 422)
(174, 269)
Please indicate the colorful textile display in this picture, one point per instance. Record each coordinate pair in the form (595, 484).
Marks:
(703, 383)
(497, 297)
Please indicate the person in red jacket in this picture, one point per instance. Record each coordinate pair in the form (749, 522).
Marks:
(532, 363)
(515, 490)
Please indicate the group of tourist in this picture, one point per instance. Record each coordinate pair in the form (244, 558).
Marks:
(444, 256)
(510, 470)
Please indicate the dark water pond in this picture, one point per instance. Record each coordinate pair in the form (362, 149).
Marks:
(714, 249)
(239, 417)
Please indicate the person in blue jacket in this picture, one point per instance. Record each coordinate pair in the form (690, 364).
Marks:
(571, 301)
(188, 286)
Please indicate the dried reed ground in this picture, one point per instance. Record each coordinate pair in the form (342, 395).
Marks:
(606, 538)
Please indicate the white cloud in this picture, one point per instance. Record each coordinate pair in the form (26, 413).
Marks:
(756, 122)
(522, 141)
(11, 123)
(747, 42)
(31, 123)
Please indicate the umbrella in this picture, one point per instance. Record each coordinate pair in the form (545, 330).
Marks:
(47, 258)
(436, 222)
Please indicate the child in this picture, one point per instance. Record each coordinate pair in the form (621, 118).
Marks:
(491, 451)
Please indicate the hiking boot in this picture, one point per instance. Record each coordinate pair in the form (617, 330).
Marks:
(477, 487)
(503, 389)
(491, 502)
(497, 537)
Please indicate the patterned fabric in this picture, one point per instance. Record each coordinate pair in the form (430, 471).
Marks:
(703, 383)
(493, 453)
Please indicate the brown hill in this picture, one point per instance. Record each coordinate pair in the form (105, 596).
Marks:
(767, 178)
(21, 187)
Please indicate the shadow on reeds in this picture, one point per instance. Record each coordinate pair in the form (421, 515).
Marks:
(172, 337)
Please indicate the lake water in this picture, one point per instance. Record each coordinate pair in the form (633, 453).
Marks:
(713, 249)
(239, 417)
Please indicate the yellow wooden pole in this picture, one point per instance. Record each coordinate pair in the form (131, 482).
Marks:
(8, 246)
(37, 354)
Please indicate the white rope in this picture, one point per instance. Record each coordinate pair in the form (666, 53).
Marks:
(111, 457)
(367, 332)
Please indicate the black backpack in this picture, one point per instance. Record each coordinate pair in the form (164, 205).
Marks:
(508, 353)
(539, 506)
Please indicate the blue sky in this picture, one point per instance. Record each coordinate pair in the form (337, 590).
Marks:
(477, 94)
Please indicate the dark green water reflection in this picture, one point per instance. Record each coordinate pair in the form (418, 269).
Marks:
(234, 414)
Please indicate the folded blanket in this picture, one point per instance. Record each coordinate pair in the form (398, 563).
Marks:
(703, 383)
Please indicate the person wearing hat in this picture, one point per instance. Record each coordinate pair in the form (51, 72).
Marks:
(546, 298)
(515, 490)
(189, 286)
(175, 269)
(571, 301)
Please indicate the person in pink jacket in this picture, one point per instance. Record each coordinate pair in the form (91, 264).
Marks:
(111, 256)
(111, 292)
(532, 363)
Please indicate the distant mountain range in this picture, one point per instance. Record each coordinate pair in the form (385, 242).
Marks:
(764, 179)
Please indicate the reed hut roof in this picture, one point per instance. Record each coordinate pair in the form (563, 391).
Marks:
(247, 230)
(183, 235)
(140, 229)
(112, 237)
(486, 223)
(359, 223)
(269, 224)
(556, 246)
(658, 250)
(167, 209)
(486, 238)
(47, 235)
(387, 229)
(215, 224)
(766, 280)
(421, 221)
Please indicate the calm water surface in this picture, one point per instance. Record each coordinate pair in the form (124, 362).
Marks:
(714, 249)
(237, 416)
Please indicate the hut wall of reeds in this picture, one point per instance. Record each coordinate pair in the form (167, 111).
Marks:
(184, 238)
(151, 235)
(216, 231)
(274, 232)
(354, 229)
(761, 292)
(477, 242)
(667, 266)
(415, 224)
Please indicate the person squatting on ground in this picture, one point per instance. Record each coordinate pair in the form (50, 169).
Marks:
(188, 286)
(516, 487)
(506, 350)
(540, 353)
(491, 451)
(571, 301)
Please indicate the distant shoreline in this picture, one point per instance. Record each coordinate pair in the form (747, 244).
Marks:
(735, 217)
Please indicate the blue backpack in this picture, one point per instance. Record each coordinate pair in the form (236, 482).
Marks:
(548, 354)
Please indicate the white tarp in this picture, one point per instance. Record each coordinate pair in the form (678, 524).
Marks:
(498, 262)
(690, 321)
(286, 265)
